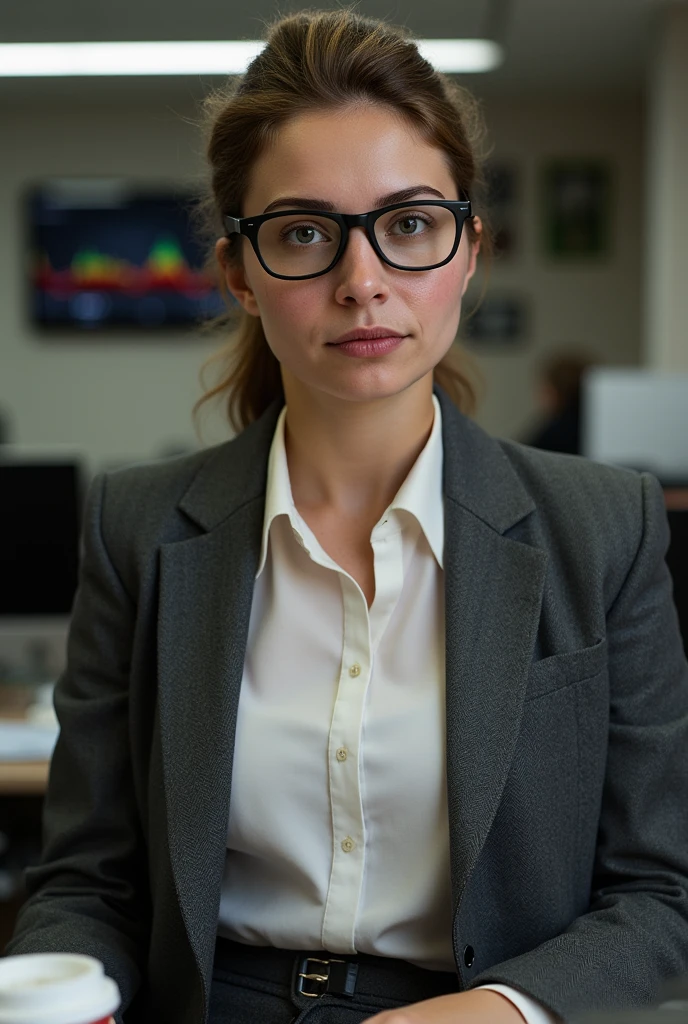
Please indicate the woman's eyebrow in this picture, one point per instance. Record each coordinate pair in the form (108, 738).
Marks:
(310, 203)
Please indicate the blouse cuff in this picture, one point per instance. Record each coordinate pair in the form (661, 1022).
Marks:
(533, 1011)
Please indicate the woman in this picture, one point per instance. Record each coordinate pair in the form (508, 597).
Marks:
(367, 715)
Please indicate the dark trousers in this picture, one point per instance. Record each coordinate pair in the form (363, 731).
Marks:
(260, 985)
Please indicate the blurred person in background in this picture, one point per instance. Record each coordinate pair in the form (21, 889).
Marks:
(559, 395)
(367, 716)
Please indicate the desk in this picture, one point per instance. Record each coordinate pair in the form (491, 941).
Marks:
(23, 778)
(20, 778)
(22, 787)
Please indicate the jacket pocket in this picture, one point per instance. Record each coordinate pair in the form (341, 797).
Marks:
(561, 670)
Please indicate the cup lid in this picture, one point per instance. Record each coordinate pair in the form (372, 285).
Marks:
(55, 988)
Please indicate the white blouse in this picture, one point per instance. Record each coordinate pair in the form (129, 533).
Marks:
(338, 832)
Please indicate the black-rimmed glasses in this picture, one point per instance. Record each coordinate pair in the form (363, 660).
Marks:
(297, 244)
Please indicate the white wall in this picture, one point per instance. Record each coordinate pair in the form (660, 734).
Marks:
(123, 397)
(597, 305)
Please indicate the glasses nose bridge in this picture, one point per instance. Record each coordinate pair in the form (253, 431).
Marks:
(358, 220)
(355, 220)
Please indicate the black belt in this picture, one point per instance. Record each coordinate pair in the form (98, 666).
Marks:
(318, 972)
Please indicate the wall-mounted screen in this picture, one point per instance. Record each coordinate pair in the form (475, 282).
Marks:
(108, 253)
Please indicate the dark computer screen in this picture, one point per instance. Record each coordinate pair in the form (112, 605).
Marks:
(110, 254)
(40, 513)
(677, 560)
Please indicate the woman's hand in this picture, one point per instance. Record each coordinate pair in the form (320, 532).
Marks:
(475, 1007)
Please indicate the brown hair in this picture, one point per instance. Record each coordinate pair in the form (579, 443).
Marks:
(322, 60)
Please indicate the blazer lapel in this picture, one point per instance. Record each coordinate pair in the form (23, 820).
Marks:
(493, 595)
(206, 589)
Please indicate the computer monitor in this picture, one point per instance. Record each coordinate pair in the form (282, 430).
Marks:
(638, 418)
(41, 499)
(40, 522)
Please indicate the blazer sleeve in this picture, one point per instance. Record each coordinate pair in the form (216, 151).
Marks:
(89, 893)
(634, 934)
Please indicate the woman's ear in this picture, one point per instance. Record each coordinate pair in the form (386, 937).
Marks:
(473, 254)
(235, 278)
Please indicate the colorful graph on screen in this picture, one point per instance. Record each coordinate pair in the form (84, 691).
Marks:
(115, 256)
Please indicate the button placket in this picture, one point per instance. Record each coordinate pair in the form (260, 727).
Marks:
(346, 876)
(386, 541)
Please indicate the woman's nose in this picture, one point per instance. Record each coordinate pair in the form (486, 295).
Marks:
(362, 274)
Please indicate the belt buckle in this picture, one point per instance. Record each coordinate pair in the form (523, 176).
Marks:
(318, 978)
(308, 975)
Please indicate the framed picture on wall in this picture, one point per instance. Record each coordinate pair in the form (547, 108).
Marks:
(577, 208)
(501, 319)
(502, 181)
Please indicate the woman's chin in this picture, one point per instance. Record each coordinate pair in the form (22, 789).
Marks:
(371, 386)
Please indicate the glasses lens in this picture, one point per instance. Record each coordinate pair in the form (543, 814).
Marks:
(298, 244)
(416, 236)
(295, 245)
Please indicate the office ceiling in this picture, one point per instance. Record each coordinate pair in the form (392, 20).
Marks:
(554, 45)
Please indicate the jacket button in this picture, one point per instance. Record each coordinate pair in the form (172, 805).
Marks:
(468, 956)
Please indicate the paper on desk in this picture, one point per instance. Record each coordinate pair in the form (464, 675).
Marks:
(24, 741)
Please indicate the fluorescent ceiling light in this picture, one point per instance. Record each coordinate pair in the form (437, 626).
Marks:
(41, 60)
(36, 60)
(462, 55)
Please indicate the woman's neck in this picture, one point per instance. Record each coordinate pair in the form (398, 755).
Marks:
(352, 457)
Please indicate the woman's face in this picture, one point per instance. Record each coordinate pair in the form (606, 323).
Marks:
(352, 158)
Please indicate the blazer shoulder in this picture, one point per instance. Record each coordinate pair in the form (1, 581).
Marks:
(148, 504)
(599, 508)
(149, 491)
(555, 473)
(139, 507)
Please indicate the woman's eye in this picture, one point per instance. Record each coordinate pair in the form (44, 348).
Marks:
(304, 234)
(411, 225)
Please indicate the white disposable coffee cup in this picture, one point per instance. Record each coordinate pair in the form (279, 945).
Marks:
(55, 988)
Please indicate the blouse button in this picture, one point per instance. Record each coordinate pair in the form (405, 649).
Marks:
(348, 845)
(355, 670)
(342, 754)
(468, 956)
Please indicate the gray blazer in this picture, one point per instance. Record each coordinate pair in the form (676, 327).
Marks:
(567, 726)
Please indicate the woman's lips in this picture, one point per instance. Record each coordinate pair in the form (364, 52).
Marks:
(363, 347)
